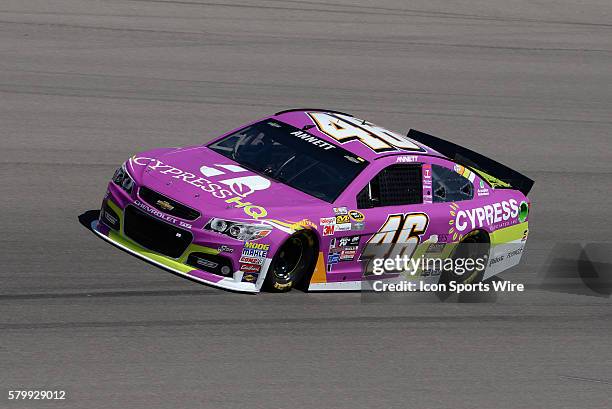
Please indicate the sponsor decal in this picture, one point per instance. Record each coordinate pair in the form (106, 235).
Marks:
(313, 140)
(427, 183)
(329, 229)
(225, 249)
(305, 223)
(340, 210)
(494, 216)
(345, 128)
(495, 260)
(232, 190)
(407, 159)
(256, 246)
(164, 205)
(356, 216)
(357, 226)
(348, 254)
(333, 258)
(335, 224)
(343, 227)
(523, 212)
(282, 286)
(515, 252)
(162, 215)
(326, 221)
(436, 248)
(346, 247)
(342, 219)
(254, 253)
(465, 172)
(251, 260)
(250, 268)
(483, 190)
(249, 278)
(329, 225)
(348, 241)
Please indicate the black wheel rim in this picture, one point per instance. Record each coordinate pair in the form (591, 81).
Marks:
(289, 258)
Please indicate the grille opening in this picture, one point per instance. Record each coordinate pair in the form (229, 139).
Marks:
(154, 234)
(211, 263)
(167, 205)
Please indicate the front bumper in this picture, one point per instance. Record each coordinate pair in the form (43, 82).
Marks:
(177, 266)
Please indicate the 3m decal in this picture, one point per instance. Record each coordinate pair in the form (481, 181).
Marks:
(345, 128)
(329, 229)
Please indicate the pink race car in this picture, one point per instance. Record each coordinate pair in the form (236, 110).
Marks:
(300, 199)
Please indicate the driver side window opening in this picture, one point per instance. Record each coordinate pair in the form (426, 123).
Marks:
(395, 185)
(449, 186)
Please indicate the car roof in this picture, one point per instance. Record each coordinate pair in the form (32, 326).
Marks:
(312, 120)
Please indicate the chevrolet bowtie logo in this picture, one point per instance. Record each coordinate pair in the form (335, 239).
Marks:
(164, 205)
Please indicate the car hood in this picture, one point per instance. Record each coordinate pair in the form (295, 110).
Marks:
(217, 186)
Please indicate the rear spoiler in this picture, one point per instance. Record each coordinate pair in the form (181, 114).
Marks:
(474, 160)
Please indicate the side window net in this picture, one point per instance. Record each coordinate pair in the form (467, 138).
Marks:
(395, 185)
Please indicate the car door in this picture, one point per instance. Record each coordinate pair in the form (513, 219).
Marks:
(403, 209)
(387, 208)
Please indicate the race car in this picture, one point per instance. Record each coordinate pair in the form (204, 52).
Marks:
(301, 198)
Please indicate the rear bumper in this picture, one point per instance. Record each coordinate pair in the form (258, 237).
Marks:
(234, 283)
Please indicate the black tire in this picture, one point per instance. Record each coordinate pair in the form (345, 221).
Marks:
(292, 264)
(474, 245)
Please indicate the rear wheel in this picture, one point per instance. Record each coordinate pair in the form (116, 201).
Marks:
(475, 245)
(292, 263)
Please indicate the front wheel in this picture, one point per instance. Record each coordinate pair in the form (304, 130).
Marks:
(291, 263)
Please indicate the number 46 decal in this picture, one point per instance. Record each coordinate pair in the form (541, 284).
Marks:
(399, 236)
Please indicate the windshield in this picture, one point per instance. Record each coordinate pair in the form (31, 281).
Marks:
(294, 157)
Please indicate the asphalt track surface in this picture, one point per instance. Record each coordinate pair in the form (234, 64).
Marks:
(85, 84)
